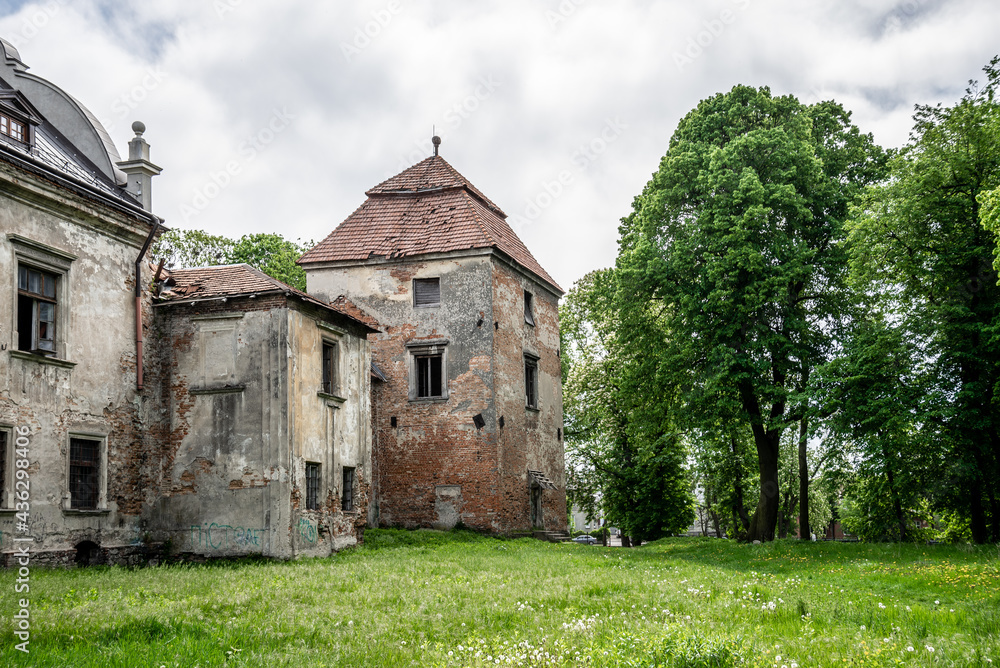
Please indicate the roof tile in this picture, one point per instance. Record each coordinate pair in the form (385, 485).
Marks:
(428, 208)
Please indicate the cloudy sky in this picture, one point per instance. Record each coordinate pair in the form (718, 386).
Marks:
(277, 116)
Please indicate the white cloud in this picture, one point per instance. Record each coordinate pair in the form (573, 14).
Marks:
(361, 84)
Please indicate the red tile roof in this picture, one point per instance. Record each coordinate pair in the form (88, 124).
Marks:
(238, 280)
(428, 208)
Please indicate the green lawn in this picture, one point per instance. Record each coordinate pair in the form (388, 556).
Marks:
(455, 599)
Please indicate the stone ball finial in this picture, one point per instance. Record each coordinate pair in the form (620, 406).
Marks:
(138, 128)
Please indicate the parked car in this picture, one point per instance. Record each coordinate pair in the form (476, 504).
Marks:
(585, 539)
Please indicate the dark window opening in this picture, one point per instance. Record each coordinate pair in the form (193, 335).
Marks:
(36, 311)
(330, 368)
(312, 486)
(347, 491)
(88, 553)
(529, 315)
(531, 382)
(3, 469)
(429, 376)
(426, 291)
(84, 473)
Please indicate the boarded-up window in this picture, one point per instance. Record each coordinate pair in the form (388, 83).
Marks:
(529, 314)
(330, 385)
(429, 376)
(426, 291)
(84, 473)
(312, 486)
(347, 491)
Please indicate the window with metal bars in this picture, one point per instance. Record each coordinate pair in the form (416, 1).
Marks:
(429, 376)
(36, 310)
(84, 473)
(347, 491)
(3, 468)
(426, 291)
(330, 385)
(312, 486)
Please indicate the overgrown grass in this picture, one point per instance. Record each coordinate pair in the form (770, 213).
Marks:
(430, 598)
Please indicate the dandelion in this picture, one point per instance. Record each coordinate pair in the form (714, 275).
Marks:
(937, 602)
(909, 648)
(929, 648)
(862, 627)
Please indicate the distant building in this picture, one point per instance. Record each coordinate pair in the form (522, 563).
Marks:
(468, 423)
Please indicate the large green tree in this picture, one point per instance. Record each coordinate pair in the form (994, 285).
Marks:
(623, 452)
(923, 258)
(737, 242)
(270, 253)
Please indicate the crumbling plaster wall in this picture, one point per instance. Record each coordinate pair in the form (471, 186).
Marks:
(531, 439)
(434, 467)
(331, 429)
(226, 464)
(88, 388)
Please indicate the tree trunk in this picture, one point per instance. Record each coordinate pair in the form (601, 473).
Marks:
(896, 504)
(625, 541)
(805, 533)
(765, 517)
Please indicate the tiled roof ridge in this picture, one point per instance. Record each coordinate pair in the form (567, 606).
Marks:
(423, 169)
(494, 242)
(348, 309)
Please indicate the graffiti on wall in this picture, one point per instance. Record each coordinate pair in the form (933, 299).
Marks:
(307, 530)
(223, 536)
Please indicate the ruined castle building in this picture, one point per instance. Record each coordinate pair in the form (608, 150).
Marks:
(74, 228)
(468, 423)
(267, 391)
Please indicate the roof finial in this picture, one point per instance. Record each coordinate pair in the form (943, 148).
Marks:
(436, 141)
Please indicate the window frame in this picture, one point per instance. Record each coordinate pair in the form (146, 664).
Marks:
(35, 301)
(6, 465)
(314, 477)
(529, 310)
(531, 381)
(347, 473)
(37, 256)
(427, 350)
(426, 280)
(330, 374)
(7, 129)
(101, 472)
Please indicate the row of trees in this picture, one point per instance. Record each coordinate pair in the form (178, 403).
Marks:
(800, 322)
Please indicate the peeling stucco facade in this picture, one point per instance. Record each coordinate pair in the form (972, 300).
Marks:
(242, 385)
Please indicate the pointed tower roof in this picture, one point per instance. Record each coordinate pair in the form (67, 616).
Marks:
(427, 208)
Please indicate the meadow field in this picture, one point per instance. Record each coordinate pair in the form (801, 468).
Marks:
(430, 598)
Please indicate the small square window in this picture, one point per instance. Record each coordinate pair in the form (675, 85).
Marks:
(529, 315)
(531, 382)
(426, 291)
(347, 491)
(84, 473)
(312, 486)
(330, 385)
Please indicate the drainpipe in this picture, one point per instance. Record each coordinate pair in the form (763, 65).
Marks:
(140, 172)
(138, 305)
